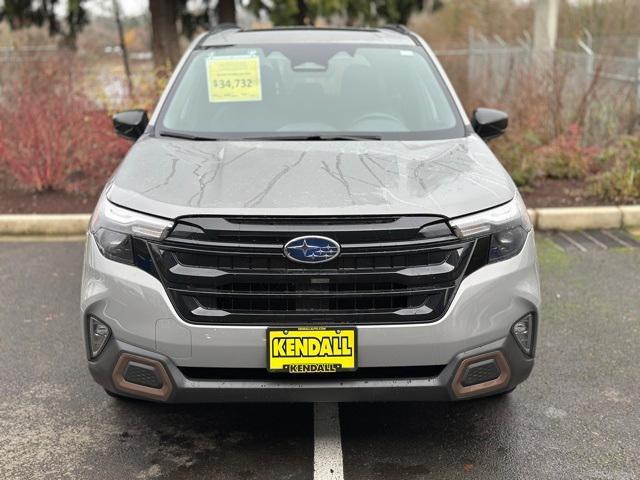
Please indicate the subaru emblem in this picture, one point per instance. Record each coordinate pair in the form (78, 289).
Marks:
(311, 249)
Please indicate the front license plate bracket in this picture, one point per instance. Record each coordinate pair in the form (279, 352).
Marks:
(300, 350)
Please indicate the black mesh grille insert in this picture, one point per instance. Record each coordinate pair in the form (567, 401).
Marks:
(375, 261)
(480, 372)
(142, 374)
(317, 303)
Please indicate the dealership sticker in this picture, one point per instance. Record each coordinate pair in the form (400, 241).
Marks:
(234, 79)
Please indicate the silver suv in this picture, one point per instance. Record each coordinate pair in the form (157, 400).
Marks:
(309, 215)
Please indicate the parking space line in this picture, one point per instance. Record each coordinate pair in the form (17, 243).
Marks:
(615, 238)
(594, 240)
(557, 247)
(573, 242)
(327, 444)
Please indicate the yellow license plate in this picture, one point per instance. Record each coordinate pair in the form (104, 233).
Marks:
(311, 350)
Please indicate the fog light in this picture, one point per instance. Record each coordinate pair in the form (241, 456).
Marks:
(522, 331)
(99, 333)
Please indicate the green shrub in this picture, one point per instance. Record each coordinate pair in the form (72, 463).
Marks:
(516, 152)
(619, 181)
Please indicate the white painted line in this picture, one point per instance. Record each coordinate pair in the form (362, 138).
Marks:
(573, 242)
(558, 247)
(327, 444)
(594, 240)
(615, 237)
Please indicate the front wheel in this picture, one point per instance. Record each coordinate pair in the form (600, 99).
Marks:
(117, 396)
(502, 394)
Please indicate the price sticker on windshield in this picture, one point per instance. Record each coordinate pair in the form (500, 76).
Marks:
(234, 79)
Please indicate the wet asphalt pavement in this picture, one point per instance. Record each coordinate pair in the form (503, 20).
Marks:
(578, 416)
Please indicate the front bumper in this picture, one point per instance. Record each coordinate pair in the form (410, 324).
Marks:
(186, 390)
(143, 322)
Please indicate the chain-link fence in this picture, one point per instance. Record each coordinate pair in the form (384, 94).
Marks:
(572, 85)
(599, 92)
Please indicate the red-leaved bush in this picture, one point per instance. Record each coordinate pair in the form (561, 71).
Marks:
(566, 157)
(52, 136)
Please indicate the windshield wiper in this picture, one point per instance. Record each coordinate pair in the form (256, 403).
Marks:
(188, 136)
(325, 138)
(317, 138)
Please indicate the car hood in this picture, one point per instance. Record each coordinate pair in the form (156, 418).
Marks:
(172, 178)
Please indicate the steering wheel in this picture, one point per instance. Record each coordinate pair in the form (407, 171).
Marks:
(375, 116)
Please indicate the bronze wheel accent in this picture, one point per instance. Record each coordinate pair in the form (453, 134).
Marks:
(461, 391)
(161, 393)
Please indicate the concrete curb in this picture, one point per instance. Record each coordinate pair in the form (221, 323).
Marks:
(580, 218)
(585, 218)
(59, 225)
(571, 218)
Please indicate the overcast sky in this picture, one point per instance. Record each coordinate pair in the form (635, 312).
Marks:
(103, 7)
(133, 7)
(128, 7)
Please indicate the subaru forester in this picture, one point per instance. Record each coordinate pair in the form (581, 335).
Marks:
(310, 215)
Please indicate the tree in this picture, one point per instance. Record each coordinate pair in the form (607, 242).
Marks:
(296, 12)
(354, 12)
(172, 18)
(380, 12)
(164, 33)
(76, 20)
(123, 44)
(397, 11)
(226, 11)
(26, 13)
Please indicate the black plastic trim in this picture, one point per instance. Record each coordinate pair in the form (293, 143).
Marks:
(214, 280)
(364, 373)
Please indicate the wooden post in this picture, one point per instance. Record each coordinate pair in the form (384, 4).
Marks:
(123, 46)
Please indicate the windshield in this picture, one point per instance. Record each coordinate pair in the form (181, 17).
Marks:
(313, 91)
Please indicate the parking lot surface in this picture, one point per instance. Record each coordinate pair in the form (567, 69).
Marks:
(576, 417)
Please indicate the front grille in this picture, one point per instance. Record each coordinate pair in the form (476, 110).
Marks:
(233, 271)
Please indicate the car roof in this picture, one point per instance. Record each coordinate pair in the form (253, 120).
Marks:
(236, 36)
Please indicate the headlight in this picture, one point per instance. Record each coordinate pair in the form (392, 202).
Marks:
(507, 224)
(113, 228)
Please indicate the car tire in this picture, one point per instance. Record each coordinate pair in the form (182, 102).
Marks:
(117, 396)
(502, 394)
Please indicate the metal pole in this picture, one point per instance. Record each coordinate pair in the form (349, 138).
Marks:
(638, 81)
(545, 27)
(586, 47)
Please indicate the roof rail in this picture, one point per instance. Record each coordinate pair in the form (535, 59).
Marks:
(224, 26)
(396, 27)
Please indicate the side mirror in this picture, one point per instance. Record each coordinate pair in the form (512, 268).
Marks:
(489, 123)
(130, 124)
